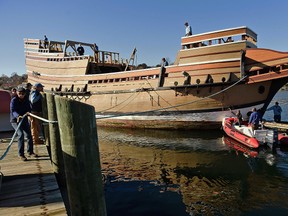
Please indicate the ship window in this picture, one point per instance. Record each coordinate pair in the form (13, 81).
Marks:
(116, 80)
(105, 81)
(100, 81)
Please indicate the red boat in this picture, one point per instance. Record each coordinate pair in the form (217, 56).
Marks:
(239, 147)
(5, 99)
(283, 139)
(246, 136)
(243, 133)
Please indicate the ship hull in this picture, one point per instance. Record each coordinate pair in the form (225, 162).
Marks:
(170, 107)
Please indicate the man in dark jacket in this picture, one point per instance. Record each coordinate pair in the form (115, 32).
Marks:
(28, 88)
(36, 103)
(19, 106)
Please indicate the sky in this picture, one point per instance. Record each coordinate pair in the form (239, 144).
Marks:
(154, 27)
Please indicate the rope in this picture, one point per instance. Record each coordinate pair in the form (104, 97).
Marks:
(133, 95)
(13, 137)
(161, 98)
(157, 94)
(42, 119)
(156, 110)
(18, 126)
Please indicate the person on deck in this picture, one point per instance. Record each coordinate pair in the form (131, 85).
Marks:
(187, 80)
(277, 112)
(254, 119)
(188, 29)
(80, 50)
(162, 72)
(19, 106)
(45, 42)
(164, 63)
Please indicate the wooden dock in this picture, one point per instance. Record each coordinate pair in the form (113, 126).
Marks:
(281, 126)
(29, 187)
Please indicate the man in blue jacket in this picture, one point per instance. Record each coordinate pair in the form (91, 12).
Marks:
(254, 119)
(19, 106)
(277, 112)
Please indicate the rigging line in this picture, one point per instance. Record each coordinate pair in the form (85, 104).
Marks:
(120, 102)
(158, 94)
(161, 98)
(129, 101)
(148, 111)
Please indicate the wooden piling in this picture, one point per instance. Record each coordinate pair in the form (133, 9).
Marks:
(56, 155)
(55, 142)
(45, 125)
(79, 141)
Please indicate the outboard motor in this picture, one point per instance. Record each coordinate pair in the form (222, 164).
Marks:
(272, 139)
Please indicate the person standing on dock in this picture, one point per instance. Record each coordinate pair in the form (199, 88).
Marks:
(28, 88)
(254, 119)
(13, 92)
(36, 103)
(19, 106)
(277, 112)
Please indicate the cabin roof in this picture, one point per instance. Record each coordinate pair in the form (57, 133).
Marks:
(242, 29)
(213, 35)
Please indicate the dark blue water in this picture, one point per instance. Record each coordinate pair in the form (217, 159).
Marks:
(152, 172)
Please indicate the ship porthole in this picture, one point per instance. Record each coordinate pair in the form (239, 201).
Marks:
(261, 89)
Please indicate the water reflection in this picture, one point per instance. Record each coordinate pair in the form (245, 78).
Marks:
(188, 169)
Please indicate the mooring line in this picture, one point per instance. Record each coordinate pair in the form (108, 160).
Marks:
(18, 126)
(43, 119)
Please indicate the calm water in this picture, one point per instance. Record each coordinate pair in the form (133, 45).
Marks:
(152, 172)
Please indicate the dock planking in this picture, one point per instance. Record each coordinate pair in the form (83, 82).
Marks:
(30, 187)
(281, 126)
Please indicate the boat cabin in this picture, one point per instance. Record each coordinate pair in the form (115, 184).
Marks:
(100, 61)
(239, 34)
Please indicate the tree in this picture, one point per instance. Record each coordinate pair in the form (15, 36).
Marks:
(142, 66)
(13, 81)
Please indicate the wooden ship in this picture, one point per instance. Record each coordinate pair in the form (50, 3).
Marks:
(213, 73)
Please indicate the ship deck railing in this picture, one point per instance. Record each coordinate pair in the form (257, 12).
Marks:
(220, 37)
